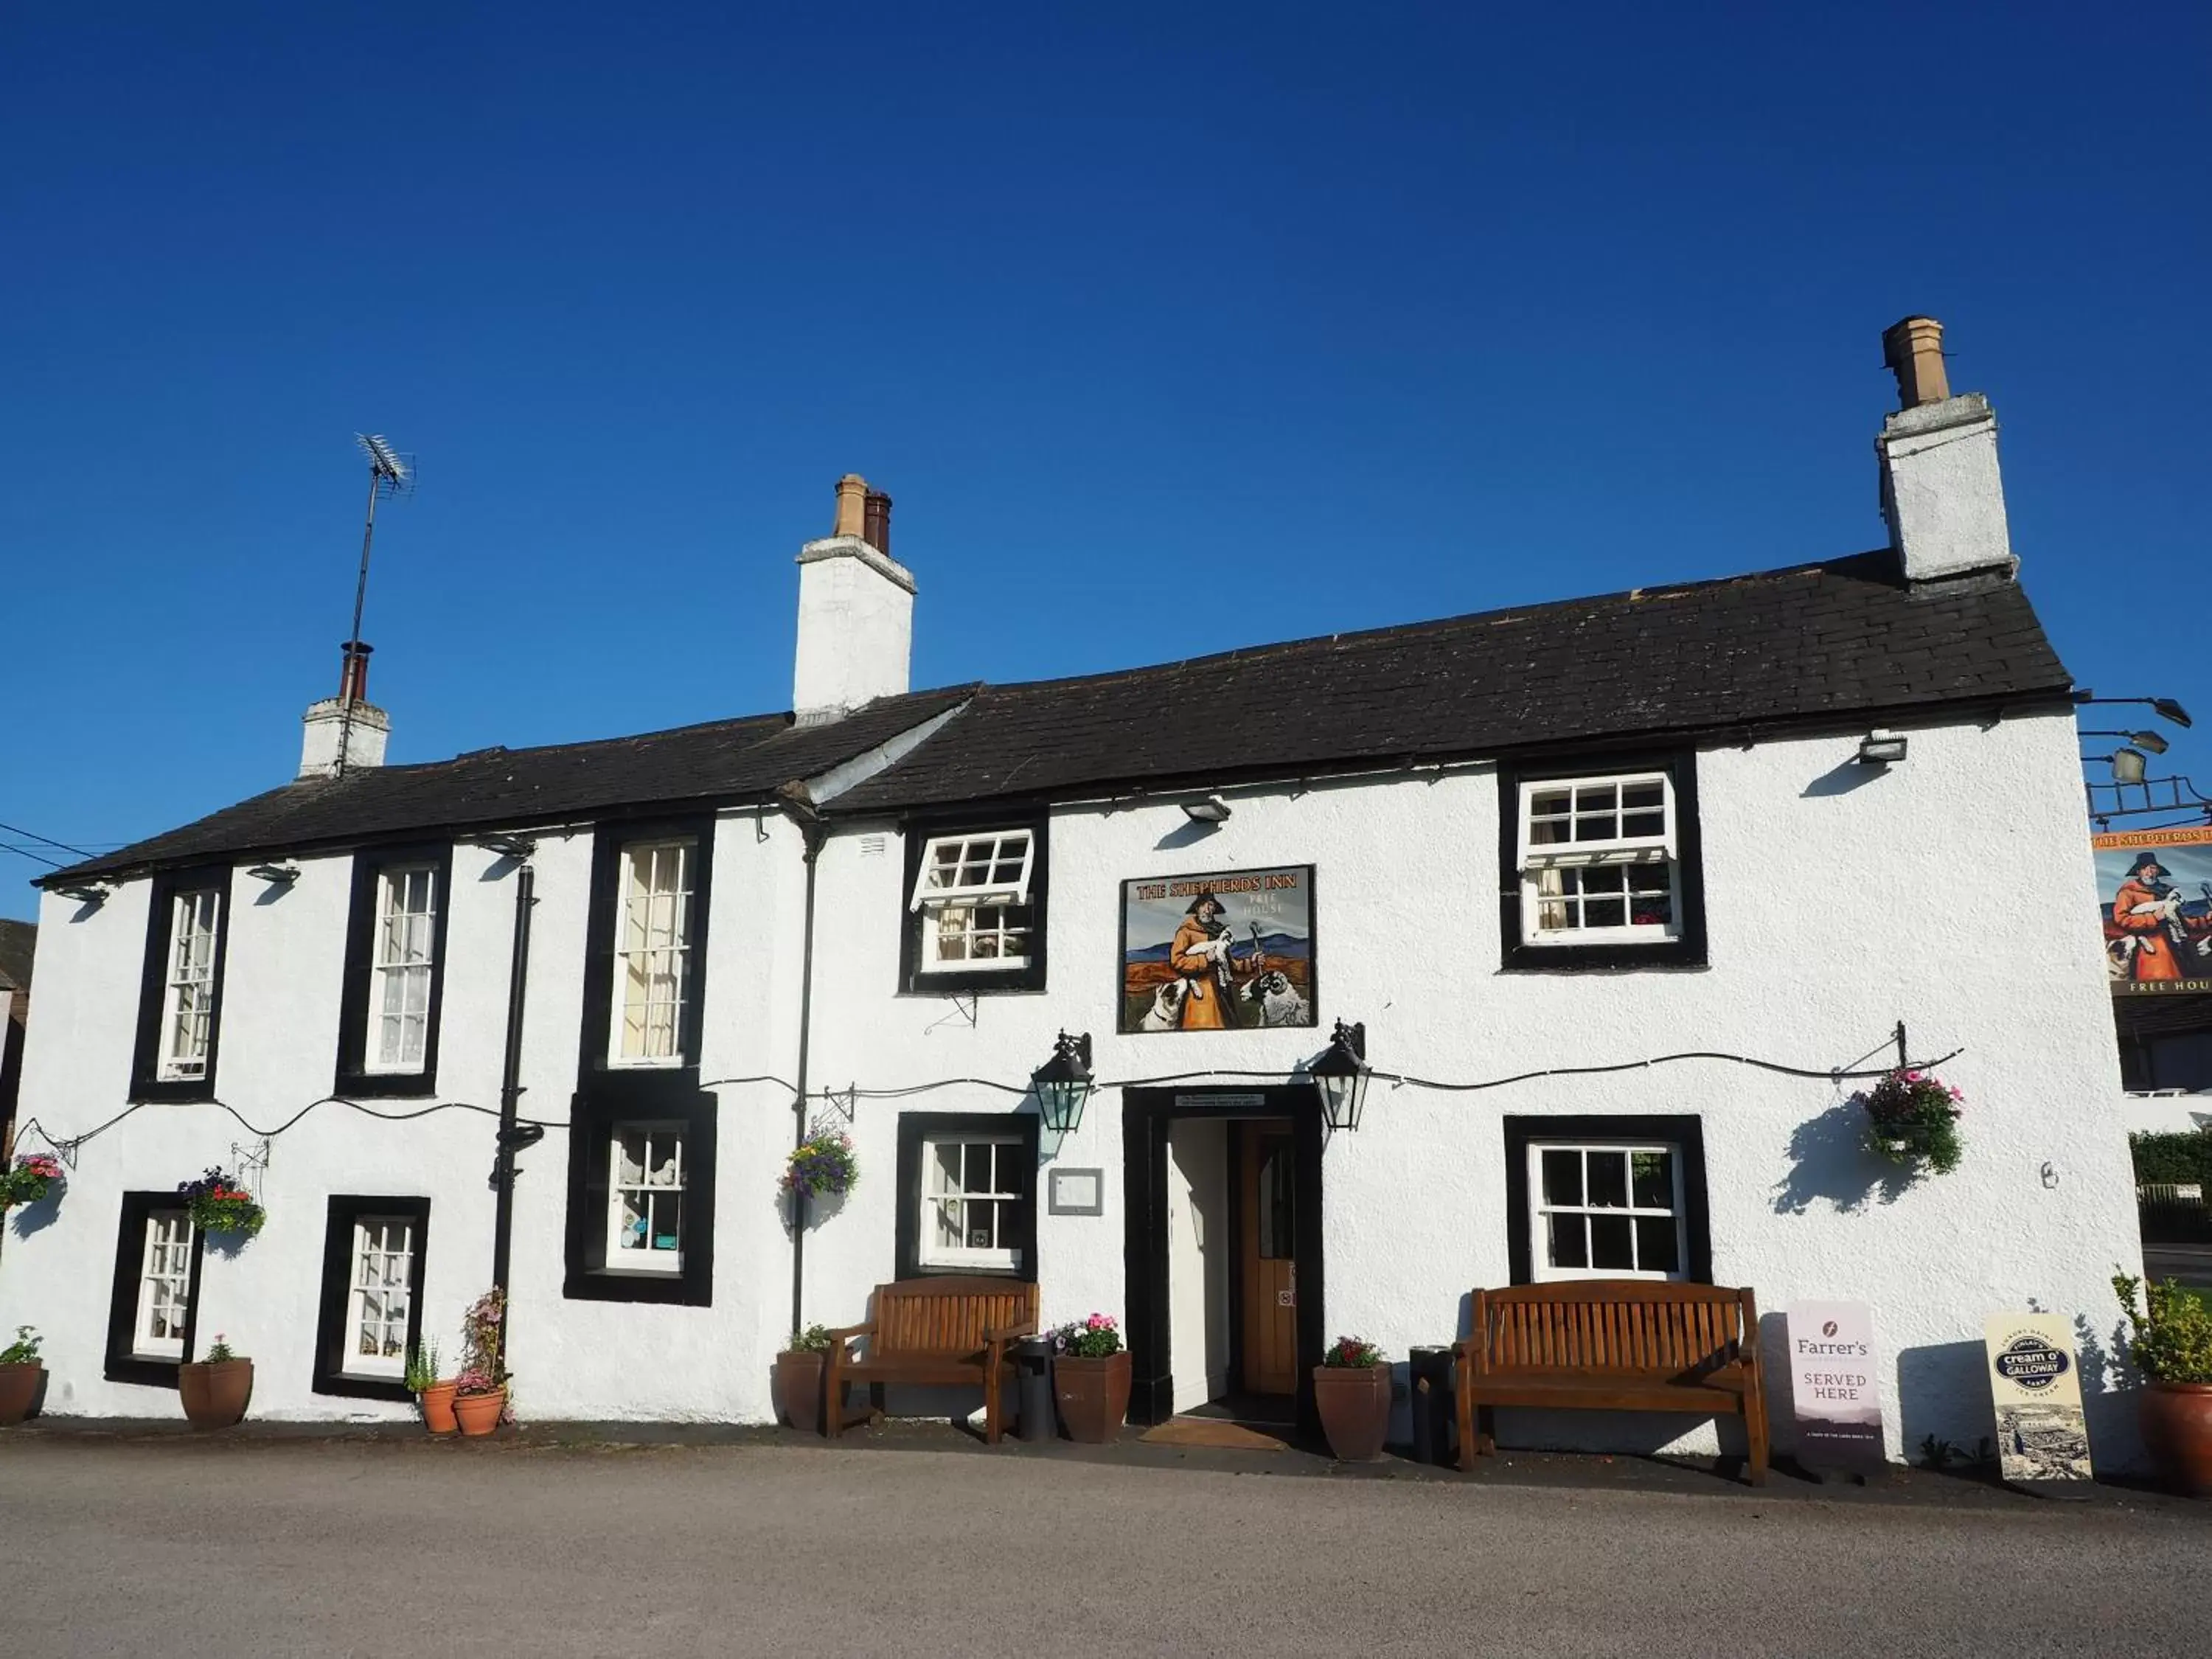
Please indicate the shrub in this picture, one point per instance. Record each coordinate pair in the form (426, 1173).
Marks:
(1354, 1352)
(2174, 1156)
(2172, 1337)
(220, 1351)
(24, 1350)
(815, 1339)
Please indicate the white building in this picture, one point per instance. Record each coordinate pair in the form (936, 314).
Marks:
(1620, 858)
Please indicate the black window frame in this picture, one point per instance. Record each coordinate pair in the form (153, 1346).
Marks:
(331, 1321)
(592, 1126)
(915, 1128)
(608, 841)
(352, 1077)
(147, 1084)
(1688, 948)
(1684, 1130)
(913, 980)
(122, 1365)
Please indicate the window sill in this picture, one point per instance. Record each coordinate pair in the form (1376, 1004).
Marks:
(363, 1388)
(148, 1373)
(1027, 981)
(947, 1269)
(1578, 958)
(611, 1285)
(387, 1085)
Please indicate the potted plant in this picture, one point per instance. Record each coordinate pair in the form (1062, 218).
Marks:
(218, 1204)
(480, 1390)
(1090, 1379)
(2173, 1349)
(1912, 1119)
(798, 1377)
(1351, 1392)
(21, 1374)
(822, 1164)
(215, 1390)
(433, 1395)
(35, 1174)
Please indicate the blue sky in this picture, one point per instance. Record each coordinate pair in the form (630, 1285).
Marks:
(1170, 329)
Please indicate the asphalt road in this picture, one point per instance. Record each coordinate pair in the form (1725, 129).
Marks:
(242, 1549)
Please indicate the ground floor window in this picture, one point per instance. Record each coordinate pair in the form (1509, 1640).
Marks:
(1605, 1197)
(371, 1318)
(644, 1197)
(156, 1290)
(967, 1194)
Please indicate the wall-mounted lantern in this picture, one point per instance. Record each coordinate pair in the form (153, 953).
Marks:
(1063, 1082)
(1341, 1074)
(276, 875)
(1881, 748)
(87, 892)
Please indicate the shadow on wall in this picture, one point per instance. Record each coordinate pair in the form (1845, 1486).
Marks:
(1829, 1161)
(36, 1218)
(1941, 1393)
(818, 1208)
(1853, 774)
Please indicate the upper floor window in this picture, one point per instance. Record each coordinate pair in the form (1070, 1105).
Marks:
(975, 909)
(188, 987)
(653, 952)
(401, 969)
(645, 1199)
(1602, 865)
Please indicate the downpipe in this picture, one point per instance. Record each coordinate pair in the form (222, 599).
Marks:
(514, 1135)
(814, 832)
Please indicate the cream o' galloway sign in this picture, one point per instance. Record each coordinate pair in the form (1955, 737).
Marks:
(2035, 1384)
(1835, 1386)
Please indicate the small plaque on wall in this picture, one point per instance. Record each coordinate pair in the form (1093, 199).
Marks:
(1077, 1192)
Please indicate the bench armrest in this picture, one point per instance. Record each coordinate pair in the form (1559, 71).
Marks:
(845, 1333)
(1012, 1332)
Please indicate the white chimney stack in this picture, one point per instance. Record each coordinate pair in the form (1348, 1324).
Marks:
(855, 611)
(1940, 488)
(347, 731)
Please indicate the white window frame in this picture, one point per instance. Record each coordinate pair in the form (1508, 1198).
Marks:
(679, 934)
(371, 1239)
(402, 971)
(658, 1135)
(1541, 1211)
(1536, 859)
(940, 901)
(929, 1251)
(188, 975)
(165, 1258)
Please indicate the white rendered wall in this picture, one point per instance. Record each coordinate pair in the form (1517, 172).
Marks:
(1948, 891)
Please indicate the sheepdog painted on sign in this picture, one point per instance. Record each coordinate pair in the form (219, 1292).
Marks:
(1222, 952)
(2157, 888)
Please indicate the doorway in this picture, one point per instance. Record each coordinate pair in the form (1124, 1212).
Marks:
(1224, 1253)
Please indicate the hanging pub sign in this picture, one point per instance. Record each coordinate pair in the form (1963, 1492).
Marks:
(1222, 952)
(1835, 1386)
(2156, 892)
(2036, 1387)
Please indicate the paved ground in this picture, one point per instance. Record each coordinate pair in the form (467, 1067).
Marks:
(244, 1547)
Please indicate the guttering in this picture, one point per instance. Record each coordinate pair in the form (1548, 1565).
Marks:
(813, 832)
(512, 1135)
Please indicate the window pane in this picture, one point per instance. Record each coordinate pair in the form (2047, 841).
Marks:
(982, 1224)
(945, 1163)
(1611, 1249)
(1658, 1248)
(1608, 1180)
(948, 1223)
(1563, 1175)
(1652, 1177)
(1568, 1248)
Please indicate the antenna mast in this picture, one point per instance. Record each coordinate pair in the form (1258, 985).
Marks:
(389, 474)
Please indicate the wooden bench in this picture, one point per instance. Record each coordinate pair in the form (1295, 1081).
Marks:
(1612, 1345)
(952, 1330)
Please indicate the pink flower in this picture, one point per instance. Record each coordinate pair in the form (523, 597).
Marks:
(1957, 1093)
(1912, 1076)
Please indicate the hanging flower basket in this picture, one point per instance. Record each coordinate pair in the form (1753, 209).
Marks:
(218, 1204)
(35, 1174)
(1912, 1119)
(822, 1164)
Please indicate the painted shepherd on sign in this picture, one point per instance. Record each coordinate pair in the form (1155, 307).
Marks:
(1227, 952)
(2158, 916)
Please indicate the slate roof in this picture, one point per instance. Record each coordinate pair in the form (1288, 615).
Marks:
(495, 788)
(1815, 641)
(18, 940)
(1845, 639)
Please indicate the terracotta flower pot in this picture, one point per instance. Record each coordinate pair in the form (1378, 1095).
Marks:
(1354, 1403)
(799, 1387)
(478, 1414)
(214, 1394)
(1093, 1395)
(437, 1403)
(19, 1389)
(2176, 1419)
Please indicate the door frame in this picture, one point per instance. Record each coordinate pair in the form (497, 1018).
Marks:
(1147, 1115)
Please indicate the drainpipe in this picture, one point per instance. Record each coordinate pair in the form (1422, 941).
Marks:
(512, 1136)
(814, 832)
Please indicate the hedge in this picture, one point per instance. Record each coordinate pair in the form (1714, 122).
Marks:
(2177, 1155)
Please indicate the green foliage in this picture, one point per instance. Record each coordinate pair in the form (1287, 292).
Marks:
(1912, 1117)
(2173, 1336)
(24, 1350)
(219, 1353)
(1095, 1338)
(2180, 1155)
(1355, 1352)
(423, 1367)
(815, 1339)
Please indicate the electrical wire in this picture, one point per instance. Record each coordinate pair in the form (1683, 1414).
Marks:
(48, 841)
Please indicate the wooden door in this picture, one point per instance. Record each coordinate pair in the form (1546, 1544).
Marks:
(1267, 1250)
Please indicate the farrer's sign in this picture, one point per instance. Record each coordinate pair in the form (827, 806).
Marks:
(1835, 1385)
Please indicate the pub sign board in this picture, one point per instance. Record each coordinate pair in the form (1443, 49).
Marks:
(2155, 900)
(1835, 1386)
(2035, 1385)
(1233, 951)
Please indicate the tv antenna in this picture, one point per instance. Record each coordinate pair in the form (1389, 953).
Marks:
(390, 474)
